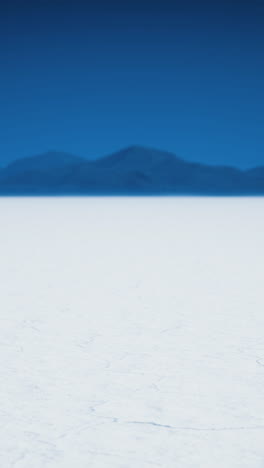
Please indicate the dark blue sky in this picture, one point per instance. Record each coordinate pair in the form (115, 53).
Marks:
(184, 76)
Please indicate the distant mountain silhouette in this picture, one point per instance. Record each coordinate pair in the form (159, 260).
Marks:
(133, 171)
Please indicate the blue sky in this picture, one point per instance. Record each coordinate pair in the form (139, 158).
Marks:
(184, 76)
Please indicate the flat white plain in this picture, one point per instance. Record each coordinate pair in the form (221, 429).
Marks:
(132, 332)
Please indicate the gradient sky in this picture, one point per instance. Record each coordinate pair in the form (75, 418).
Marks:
(185, 76)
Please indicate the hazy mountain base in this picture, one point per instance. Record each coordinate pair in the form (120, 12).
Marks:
(132, 171)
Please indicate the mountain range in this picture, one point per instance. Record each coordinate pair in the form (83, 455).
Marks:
(134, 170)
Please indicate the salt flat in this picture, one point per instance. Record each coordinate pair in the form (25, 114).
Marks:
(132, 332)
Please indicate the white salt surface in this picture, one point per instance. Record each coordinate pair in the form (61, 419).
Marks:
(132, 333)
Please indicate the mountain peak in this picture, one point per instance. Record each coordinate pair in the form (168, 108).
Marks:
(135, 156)
(146, 150)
